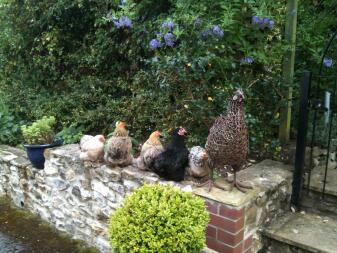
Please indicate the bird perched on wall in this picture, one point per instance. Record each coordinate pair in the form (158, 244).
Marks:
(119, 147)
(198, 167)
(150, 149)
(171, 163)
(92, 148)
(227, 142)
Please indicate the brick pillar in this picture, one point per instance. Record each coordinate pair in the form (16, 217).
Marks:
(225, 231)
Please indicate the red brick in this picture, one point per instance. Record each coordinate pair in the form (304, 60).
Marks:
(229, 238)
(250, 250)
(221, 247)
(212, 207)
(231, 213)
(226, 224)
(248, 242)
(214, 244)
(211, 231)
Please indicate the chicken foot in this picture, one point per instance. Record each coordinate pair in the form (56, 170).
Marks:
(239, 185)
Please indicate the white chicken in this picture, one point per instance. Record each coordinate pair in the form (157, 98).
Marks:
(150, 149)
(198, 163)
(92, 148)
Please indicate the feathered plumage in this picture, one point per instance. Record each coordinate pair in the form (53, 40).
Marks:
(150, 149)
(171, 163)
(198, 163)
(119, 148)
(227, 142)
(92, 148)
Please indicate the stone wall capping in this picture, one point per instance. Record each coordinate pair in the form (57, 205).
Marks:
(16, 157)
(265, 176)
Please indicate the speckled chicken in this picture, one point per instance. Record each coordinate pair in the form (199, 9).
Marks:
(150, 149)
(171, 163)
(119, 147)
(227, 142)
(92, 148)
(198, 167)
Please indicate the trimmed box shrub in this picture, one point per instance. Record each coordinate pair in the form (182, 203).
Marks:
(159, 218)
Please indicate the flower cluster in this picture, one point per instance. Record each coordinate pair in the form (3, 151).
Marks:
(216, 30)
(262, 23)
(247, 60)
(154, 44)
(168, 24)
(123, 21)
(328, 62)
(169, 38)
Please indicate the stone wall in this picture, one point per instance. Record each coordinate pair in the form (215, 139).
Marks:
(78, 198)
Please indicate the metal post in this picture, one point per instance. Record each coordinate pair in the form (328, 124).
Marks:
(329, 141)
(288, 69)
(327, 107)
(301, 139)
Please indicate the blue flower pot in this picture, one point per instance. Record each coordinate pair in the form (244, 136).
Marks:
(36, 153)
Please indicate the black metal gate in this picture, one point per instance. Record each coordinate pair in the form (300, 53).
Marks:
(316, 146)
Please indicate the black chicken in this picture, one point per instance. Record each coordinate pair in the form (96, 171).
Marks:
(171, 163)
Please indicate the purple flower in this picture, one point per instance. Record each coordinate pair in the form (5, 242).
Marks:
(117, 24)
(256, 21)
(328, 62)
(154, 44)
(247, 60)
(267, 23)
(168, 24)
(217, 31)
(198, 22)
(125, 21)
(170, 39)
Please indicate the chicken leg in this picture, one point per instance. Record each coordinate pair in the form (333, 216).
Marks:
(239, 185)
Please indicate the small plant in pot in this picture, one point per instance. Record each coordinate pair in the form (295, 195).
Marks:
(38, 137)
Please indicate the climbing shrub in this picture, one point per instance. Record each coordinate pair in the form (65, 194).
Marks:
(158, 218)
(154, 64)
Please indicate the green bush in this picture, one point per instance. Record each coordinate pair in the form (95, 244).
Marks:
(71, 134)
(159, 218)
(68, 58)
(9, 126)
(9, 129)
(40, 132)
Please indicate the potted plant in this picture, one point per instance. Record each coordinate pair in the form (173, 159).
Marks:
(38, 137)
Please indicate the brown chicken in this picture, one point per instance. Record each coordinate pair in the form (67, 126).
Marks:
(119, 148)
(150, 149)
(92, 148)
(227, 142)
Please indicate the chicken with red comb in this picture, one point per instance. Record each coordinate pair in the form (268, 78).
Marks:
(171, 163)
